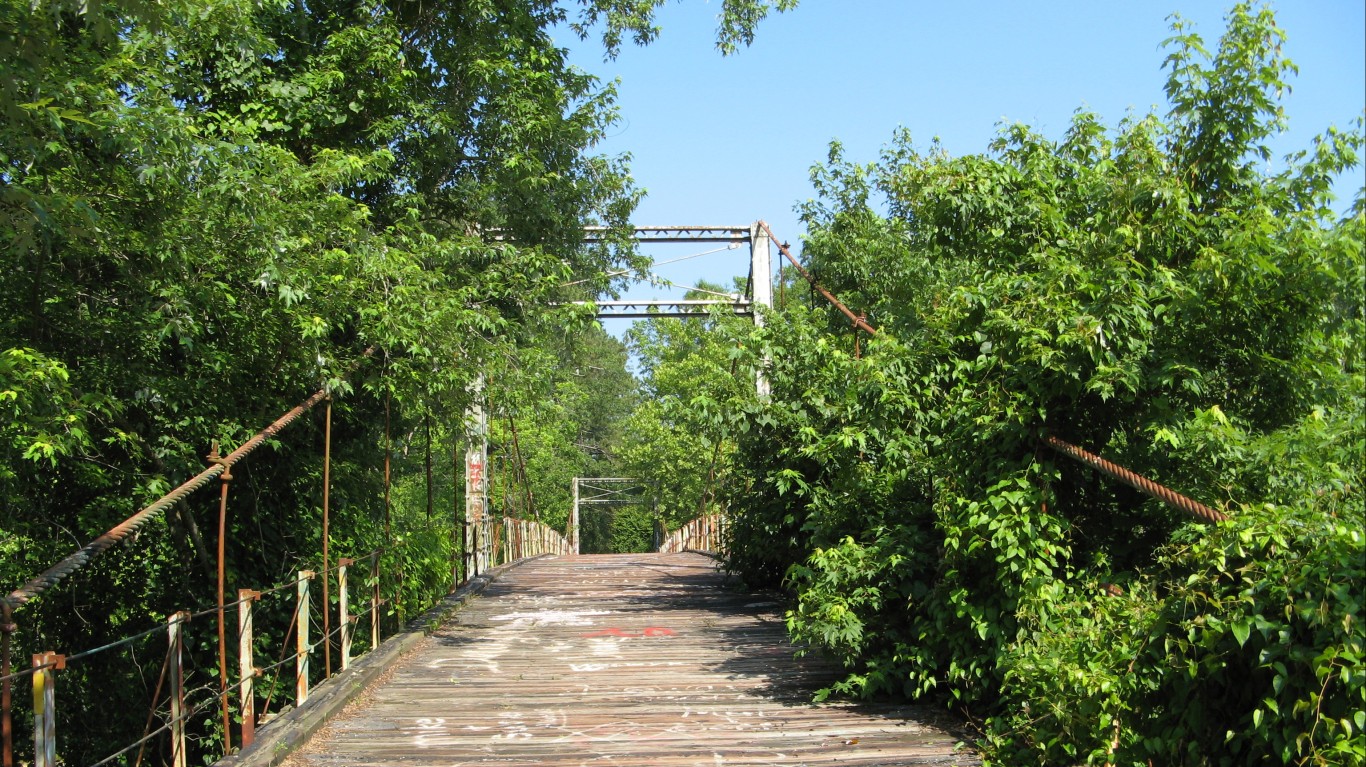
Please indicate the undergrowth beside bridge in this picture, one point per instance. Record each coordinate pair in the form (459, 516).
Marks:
(1151, 292)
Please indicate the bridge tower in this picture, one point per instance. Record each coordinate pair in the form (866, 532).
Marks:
(759, 293)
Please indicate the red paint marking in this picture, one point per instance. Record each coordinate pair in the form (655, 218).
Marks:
(652, 631)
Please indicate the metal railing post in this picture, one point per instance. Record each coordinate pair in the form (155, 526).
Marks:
(343, 613)
(45, 708)
(491, 540)
(486, 544)
(226, 477)
(574, 520)
(301, 651)
(246, 665)
(7, 628)
(176, 674)
(327, 539)
(457, 536)
(374, 600)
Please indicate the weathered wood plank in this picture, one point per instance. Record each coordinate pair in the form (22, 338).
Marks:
(628, 659)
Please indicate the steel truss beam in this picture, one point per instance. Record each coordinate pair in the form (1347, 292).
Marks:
(655, 308)
(612, 491)
(676, 233)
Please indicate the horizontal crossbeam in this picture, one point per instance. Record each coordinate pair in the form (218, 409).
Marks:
(652, 308)
(612, 491)
(676, 233)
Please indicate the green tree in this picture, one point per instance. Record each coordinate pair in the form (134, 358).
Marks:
(210, 209)
(1149, 292)
(676, 439)
(565, 393)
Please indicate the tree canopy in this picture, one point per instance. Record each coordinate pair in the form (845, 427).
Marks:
(1150, 292)
(210, 209)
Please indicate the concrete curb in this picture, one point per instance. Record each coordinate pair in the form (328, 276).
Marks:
(282, 736)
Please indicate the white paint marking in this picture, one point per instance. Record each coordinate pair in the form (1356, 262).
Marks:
(551, 618)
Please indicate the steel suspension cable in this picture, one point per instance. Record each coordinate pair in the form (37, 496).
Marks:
(859, 321)
(54, 575)
(1131, 478)
(1137, 481)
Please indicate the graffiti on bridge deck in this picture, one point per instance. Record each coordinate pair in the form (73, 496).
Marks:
(651, 631)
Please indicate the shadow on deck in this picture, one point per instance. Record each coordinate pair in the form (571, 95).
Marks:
(626, 659)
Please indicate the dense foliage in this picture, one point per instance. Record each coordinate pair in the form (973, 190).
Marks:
(558, 414)
(210, 209)
(1150, 292)
(677, 439)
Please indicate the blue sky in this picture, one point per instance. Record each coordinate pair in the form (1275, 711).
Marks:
(729, 140)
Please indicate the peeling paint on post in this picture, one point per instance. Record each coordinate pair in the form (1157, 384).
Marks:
(476, 483)
(246, 665)
(45, 666)
(301, 649)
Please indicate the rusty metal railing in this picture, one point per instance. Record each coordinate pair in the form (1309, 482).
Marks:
(174, 703)
(180, 702)
(496, 541)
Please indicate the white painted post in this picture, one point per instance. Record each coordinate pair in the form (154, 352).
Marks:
(574, 521)
(343, 613)
(176, 672)
(490, 540)
(374, 601)
(761, 269)
(246, 664)
(301, 647)
(45, 707)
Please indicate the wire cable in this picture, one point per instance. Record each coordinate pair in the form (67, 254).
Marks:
(653, 264)
(53, 575)
(671, 284)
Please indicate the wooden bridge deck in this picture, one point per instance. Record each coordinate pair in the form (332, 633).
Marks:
(623, 659)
